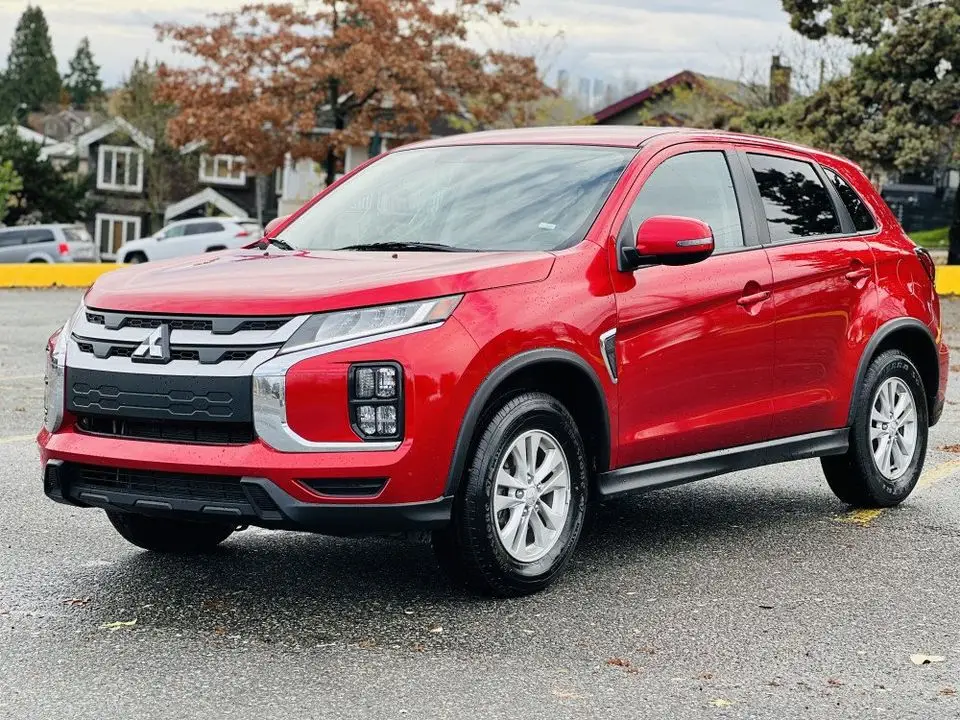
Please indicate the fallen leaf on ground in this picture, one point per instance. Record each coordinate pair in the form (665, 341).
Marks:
(834, 682)
(706, 676)
(118, 624)
(619, 662)
(721, 703)
(919, 659)
(566, 695)
(366, 644)
(948, 691)
(766, 607)
(75, 602)
(951, 448)
(438, 629)
(863, 518)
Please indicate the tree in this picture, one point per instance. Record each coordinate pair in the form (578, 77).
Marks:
(46, 193)
(10, 183)
(31, 77)
(898, 108)
(82, 81)
(267, 77)
(169, 173)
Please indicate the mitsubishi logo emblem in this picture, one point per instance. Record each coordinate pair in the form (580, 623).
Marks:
(156, 348)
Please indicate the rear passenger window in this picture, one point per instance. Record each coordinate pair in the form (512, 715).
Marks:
(39, 236)
(862, 219)
(204, 227)
(795, 201)
(695, 185)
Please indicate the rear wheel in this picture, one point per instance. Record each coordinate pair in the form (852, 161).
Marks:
(170, 536)
(521, 506)
(135, 258)
(888, 440)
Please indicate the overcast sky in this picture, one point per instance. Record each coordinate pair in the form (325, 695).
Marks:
(647, 39)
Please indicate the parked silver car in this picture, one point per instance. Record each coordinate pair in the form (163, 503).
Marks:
(47, 244)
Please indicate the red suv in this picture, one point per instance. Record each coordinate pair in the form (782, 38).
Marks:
(479, 335)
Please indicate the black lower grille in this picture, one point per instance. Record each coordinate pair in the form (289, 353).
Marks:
(173, 431)
(337, 487)
(148, 483)
(261, 499)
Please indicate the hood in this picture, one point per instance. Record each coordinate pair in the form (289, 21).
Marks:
(256, 282)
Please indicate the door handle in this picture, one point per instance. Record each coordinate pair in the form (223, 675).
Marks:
(753, 298)
(859, 274)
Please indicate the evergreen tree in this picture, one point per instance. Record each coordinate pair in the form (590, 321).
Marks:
(44, 193)
(31, 77)
(82, 81)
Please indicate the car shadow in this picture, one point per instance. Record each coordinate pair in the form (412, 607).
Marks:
(301, 590)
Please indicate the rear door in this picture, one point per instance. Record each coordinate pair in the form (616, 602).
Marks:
(12, 249)
(695, 343)
(824, 289)
(79, 243)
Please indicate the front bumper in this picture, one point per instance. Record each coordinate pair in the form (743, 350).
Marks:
(257, 501)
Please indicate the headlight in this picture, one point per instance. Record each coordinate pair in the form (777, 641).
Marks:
(54, 376)
(336, 327)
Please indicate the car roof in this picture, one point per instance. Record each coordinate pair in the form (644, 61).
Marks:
(44, 226)
(213, 218)
(626, 136)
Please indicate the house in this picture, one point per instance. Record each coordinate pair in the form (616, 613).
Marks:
(687, 98)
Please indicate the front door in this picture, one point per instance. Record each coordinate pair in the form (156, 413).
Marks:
(695, 343)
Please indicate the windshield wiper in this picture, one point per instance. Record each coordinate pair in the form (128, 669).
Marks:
(276, 242)
(401, 245)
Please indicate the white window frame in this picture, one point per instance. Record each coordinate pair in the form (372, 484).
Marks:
(117, 150)
(124, 219)
(229, 160)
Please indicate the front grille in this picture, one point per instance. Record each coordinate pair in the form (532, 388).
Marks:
(173, 431)
(336, 487)
(216, 325)
(206, 355)
(210, 399)
(149, 483)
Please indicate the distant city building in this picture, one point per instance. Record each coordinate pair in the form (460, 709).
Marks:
(563, 81)
(598, 89)
(583, 94)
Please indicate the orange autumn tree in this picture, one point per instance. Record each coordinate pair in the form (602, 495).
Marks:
(263, 79)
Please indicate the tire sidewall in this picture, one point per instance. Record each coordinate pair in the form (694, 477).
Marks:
(886, 366)
(534, 413)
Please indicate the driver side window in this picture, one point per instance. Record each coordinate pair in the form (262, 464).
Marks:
(175, 231)
(696, 185)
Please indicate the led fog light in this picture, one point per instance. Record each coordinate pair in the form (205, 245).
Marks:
(376, 400)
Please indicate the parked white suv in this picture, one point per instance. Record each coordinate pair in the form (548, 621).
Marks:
(190, 237)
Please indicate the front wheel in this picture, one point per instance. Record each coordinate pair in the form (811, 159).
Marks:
(521, 506)
(183, 537)
(888, 440)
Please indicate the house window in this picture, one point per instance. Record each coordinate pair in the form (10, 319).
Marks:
(114, 230)
(120, 168)
(223, 169)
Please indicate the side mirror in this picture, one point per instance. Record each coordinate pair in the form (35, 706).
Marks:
(274, 224)
(668, 240)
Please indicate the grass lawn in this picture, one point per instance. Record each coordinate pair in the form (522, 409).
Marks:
(931, 238)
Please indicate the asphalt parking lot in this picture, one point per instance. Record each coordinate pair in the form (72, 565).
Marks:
(754, 595)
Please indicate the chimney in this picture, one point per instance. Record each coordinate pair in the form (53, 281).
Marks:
(780, 76)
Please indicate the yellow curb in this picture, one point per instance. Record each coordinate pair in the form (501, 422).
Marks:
(948, 279)
(44, 275)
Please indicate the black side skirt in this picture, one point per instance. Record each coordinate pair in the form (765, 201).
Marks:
(666, 473)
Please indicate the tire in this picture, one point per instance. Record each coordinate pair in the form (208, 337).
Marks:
(170, 536)
(40, 260)
(135, 258)
(216, 248)
(856, 477)
(471, 550)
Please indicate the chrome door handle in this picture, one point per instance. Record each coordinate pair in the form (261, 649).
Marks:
(747, 300)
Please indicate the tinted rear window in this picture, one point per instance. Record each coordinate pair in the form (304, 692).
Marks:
(204, 227)
(796, 203)
(859, 212)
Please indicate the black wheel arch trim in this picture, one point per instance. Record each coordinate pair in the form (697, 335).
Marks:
(870, 351)
(489, 387)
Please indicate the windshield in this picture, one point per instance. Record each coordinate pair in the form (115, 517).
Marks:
(468, 198)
